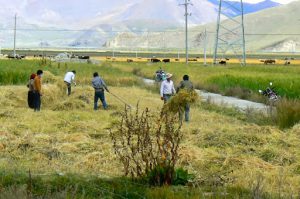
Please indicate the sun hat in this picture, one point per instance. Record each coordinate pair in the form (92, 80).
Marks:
(169, 75)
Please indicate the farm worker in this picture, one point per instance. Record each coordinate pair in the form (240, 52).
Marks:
(69, 79)
(188, 85)
(30, 85)
(167, 88)
(99, 86)
(37, 90)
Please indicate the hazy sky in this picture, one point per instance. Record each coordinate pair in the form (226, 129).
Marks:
(279, 1)
(54, 11)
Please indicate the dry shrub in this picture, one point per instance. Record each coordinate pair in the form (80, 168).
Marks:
(145, 142)
(179, 101)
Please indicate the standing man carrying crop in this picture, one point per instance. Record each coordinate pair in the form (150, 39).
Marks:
(167, 88)
(99, 86)
(69, 79)
(37, 90)
(188, 85)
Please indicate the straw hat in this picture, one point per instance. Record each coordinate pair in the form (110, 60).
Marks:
(169, 75)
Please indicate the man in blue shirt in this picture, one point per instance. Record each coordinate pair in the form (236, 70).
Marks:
(99, 86)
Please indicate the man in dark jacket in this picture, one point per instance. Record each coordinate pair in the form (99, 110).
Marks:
(188, 85)
(99, 86)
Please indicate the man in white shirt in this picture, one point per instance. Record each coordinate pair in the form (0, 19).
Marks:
(69, 79)
(167, 88)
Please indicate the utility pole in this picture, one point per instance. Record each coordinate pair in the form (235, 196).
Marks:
(0, 46)
(15, 34)
(205, 41)
(186, 4)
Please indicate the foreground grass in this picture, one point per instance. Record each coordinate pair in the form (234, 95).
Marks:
(22, 185)
(68, 150)
(226, 154)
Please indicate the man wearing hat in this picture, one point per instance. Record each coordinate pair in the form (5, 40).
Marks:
(167, 88)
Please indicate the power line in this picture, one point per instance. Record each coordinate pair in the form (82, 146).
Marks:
(142, 31)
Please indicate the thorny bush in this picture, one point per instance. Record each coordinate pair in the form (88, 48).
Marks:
(144, 142)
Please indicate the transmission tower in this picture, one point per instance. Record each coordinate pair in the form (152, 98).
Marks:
(230, 34)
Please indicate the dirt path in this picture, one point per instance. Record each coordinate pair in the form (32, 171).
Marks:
(218, 99)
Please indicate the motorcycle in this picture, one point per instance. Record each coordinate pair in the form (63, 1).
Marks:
(270, 93)
(160, 75)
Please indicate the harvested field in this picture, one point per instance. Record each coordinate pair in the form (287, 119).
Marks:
(222, 149)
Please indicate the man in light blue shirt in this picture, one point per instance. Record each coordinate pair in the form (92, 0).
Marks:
(167, 88)
(99, 86)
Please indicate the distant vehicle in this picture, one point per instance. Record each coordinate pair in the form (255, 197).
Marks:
(270, 93)
(160, 75)
(63, 56)
(16, 56)
(83, 57)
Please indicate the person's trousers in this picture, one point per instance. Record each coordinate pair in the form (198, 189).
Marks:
(186, 110)
(99, 95)
(167, 97)
(37, 101)
(68, 87)
(30, 99)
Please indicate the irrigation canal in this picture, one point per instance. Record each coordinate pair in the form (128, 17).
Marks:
(242, 105)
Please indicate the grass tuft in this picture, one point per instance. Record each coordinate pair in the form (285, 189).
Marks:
(288, 113)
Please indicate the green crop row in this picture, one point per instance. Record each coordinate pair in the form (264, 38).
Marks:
(220, 79)
(17, 72)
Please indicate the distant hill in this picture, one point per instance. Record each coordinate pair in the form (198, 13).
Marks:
(127, 26)
(273, 29)
(160, 15)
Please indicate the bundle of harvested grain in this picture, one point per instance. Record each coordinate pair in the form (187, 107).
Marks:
(179, 101)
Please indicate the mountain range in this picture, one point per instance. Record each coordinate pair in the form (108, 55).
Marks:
(130, 20)
(270, 30)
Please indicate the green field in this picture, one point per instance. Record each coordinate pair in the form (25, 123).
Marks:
(65, 150)
(223, 79)
(212, 78)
